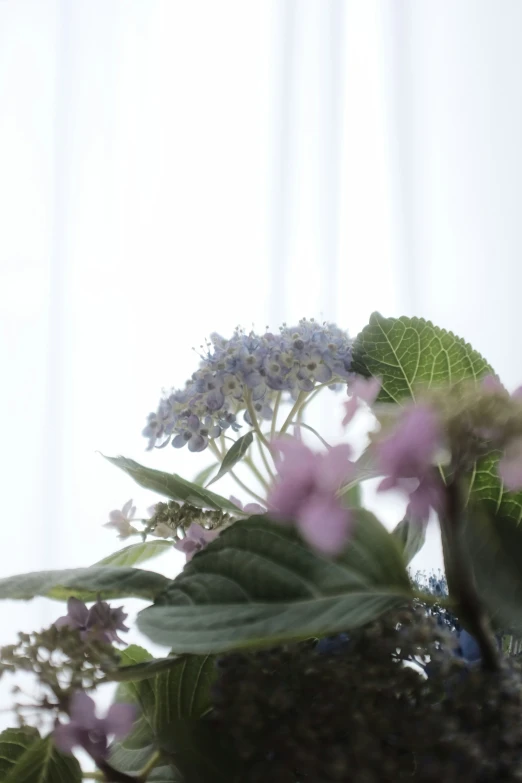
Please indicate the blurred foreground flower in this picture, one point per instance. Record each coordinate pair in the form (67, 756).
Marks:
(86, 731)
(406, 458)
(305, 492)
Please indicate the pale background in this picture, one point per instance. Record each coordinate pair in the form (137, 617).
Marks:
(171, 168)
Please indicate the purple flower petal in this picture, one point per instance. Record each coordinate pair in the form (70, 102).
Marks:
(196, 538)
(361, 390)
(492, 384)
(334, 468)
(82, 710)
(324, 525)
(65, 737)
(119, 720)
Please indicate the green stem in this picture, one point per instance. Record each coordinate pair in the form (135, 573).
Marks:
(215, 449)
(274, 417)
(300, 400)
(247, 489)
(308, 427)
(151, 764)
(265, 459)
(317, 389)
(255, 423)
(257, 473)
(115, 776)
(460, 577)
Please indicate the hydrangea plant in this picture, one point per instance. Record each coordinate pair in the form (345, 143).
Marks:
(299, 645)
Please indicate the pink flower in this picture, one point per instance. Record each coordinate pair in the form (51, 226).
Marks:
(87, 731)
(121, 520)
(510, 466)
(361, 390)
(196, 539)
(406, 457)
(492, 384)
(306, 493)
(249, 508)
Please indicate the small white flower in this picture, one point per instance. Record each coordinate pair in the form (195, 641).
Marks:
(120, 520)
(162, 531)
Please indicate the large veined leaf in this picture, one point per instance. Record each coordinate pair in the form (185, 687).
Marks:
(173, 486)
(43, 763)
(135, 553)
(84, 583)
(172, 706)
(259, 584)
(235, 453)
(406, 352)
(13, 745)
(486, 486)
(410, 352)
(183, 691)
(494, 544)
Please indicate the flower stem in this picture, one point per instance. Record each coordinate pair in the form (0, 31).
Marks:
(460, 577)
(301, 397)
(247, 489)
(115, 776)
(265, 459)
(255, 423)
(149, 766)
(308, 427)
(257, 473)
(274, 417)
(215, 449)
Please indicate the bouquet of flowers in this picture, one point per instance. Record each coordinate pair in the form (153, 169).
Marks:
(299, 646)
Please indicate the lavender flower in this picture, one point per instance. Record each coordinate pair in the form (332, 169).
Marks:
(406, 458)
(86, 731)
(306, 493)
(196, 539)
(100, 622)
(248, 369)
(121, 520)
(361, 390)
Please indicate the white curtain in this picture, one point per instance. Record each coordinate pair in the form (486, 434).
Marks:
(171, 168)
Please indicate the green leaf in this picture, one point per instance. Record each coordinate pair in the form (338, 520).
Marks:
(135, 553)
(494, 544)
(404, 352)
(235, 453)
(173, 486)
(204, 475)
(84, 583)
(486, 487)
(259, 584)
(172, 704)
(142, 669)
(411, 537)
(43, 763)
(183, 692)
(13, 744)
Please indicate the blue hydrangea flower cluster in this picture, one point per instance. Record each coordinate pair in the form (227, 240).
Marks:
(253, 367)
